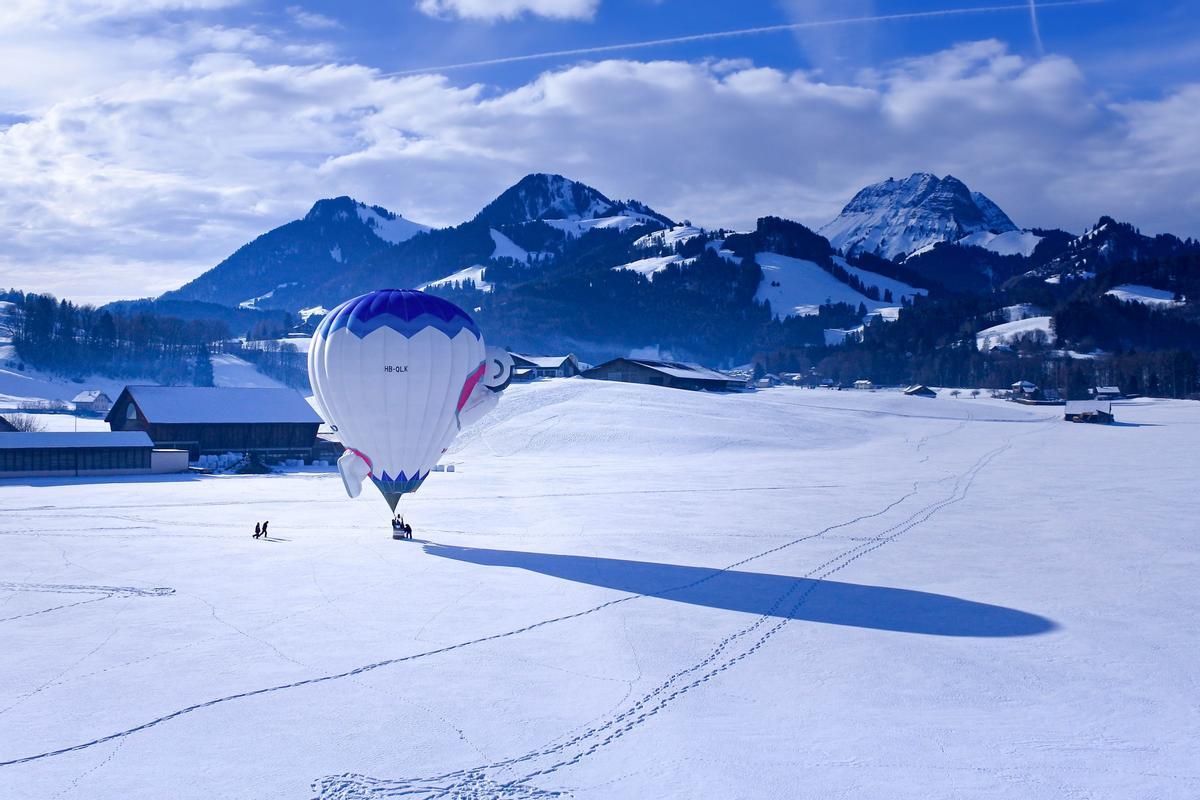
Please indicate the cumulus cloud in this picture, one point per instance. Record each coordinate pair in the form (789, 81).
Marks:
(491, 10)
(135, 189)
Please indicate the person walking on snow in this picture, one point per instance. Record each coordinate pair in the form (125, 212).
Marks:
(257, 531)
(265, 524)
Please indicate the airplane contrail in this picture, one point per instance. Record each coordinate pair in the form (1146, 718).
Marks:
(702, 37)
(1037, 34)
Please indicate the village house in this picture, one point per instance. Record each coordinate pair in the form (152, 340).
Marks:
(920, 390)
(544, 366)
(93, 401)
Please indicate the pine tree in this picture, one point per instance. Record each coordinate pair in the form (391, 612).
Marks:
(203, 373)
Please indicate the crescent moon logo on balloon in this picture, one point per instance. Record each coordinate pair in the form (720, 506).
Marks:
(398, 373)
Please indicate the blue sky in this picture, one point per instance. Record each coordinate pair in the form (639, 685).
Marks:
(143, 140)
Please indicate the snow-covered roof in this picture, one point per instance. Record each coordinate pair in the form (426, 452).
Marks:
(544, 362)
(42, 440)
(190, 404)
(1086, 406)
(90, 396)
(681, 370)
(1108, 390)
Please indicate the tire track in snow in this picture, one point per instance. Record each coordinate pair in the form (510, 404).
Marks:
(459, 784)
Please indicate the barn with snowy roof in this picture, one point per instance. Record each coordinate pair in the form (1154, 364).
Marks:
(272, 423)
(674, 374)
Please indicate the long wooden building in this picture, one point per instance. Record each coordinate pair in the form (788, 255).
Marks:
(272, 423)
(673, 374)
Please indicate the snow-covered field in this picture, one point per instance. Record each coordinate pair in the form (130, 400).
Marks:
(630, 592)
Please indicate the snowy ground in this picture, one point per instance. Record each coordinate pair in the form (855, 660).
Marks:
(630, 592)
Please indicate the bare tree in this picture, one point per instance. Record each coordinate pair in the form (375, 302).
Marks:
(26, 423)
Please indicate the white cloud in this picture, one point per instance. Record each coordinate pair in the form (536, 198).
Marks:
(491, 10)
(137, 187)
(311, 19)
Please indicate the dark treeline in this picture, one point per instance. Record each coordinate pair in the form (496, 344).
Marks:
(61, 337)
(282, 361)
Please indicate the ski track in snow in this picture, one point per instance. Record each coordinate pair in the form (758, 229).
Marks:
(100, 592)
(465, 783)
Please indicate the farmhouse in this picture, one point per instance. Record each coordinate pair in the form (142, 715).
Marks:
(93, 401)
(664, 373)
(863, 384)
(920, 390)
(545, 366)
(272, 423)
(1096, 411)
(90, 453)
(1106, 393)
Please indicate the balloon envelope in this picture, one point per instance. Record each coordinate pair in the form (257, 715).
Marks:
(391, 370)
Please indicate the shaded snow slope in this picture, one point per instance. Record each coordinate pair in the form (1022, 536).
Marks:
(883, 283)
(1006, 332)
(231, 371)
(653, 264)
(387, 225)
(466, 273)
(803, 287)
(1135, 293)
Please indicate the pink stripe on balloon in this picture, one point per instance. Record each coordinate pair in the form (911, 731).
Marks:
(363, 456)
(469, 386)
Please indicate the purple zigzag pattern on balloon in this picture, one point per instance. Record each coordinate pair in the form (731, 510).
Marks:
(406, 311)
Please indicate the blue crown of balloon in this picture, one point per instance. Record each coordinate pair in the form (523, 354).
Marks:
(406, 311)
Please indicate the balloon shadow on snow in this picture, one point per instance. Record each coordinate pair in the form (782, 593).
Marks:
(831, 602)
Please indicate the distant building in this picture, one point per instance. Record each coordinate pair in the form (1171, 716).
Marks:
(863, 384)
(272, 423)
(1097, 411)
(93, 401)
(523, 374)
(920, 390)
(547, 366)
(767, 381)
(664, 373)
(1106, 393)
(1026, 390)
(6, 426)
(29, 455)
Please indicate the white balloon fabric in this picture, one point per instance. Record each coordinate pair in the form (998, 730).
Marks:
(397, 373)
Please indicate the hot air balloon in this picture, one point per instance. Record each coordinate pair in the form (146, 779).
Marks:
(398, 373)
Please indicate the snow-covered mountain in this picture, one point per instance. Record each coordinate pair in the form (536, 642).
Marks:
(896, 217)
(1108, 242)
(540, 196)
(336, 234)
